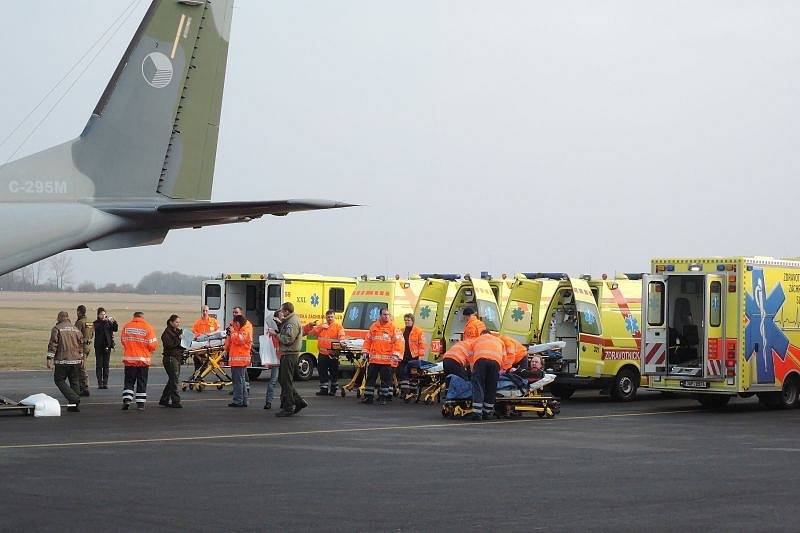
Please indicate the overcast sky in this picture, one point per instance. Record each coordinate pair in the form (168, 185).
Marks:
(504, 136)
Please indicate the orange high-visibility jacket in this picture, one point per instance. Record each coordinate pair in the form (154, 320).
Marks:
(238, 344)
(205, 325)
(325, 335)
(515, 352)
(473, 328)
(461, 352)
(383, 343)
(416, 343)
(139, 341)
(488, 347)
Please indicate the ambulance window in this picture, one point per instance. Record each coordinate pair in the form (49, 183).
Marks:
(589, 321)
(373, 313)
(716, 304)
(426, 317)
(250, 298)
(274, 297)
(489, 314)
(354, 315)
(519, 317)
(336, 299)
(213, 296)
(655, 303)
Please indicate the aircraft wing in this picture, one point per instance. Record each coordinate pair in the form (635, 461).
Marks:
(196, 214)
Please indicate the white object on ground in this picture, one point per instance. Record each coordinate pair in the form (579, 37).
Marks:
(43, 405)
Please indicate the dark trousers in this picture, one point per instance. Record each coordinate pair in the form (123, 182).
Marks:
(328, 368)
(135, 376)
(454, 367)
(385, 372)
(72, 373)
(102, 359)
(170, 395)
(484, 385)
(402, 376)
(289, 396)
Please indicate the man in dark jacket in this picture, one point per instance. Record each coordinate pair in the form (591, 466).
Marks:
(171, 341)
(65, 352)
(85, 327)
(290, 337)
(104, 328)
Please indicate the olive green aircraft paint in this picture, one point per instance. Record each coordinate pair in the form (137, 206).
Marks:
(144, 163)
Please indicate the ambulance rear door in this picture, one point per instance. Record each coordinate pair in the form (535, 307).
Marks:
(715, 288)
(488, 311)
(522, 319)
(274, 298)
(590, 329)
(654, 317)
(429, 315)
(214, 298)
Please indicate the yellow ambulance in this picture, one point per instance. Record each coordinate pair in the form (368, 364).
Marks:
(501, 287)
(719, 327)
(373, 294)
(260, 295)
(599, 320)
(443, 326)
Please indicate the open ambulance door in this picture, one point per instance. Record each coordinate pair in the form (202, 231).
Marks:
(274, 296)
(590, 341)
(488, 311)
(522, 319)
(715, 288)
(214, 298)
(429, 316)
(654, 317)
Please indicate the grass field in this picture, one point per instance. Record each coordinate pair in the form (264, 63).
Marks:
(27, 318)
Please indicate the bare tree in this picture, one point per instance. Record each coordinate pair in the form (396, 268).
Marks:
(61, 266)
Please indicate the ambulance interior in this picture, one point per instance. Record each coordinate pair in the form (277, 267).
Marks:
(563, 323)
(250, 296)
(685, 334)
(465, 297)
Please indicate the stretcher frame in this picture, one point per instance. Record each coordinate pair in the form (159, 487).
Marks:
(211, 368)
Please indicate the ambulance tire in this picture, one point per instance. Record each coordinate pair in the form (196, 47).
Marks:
(626, 382)
(253, 373)
(305, 367)
(565, 393)
(713, 401)
(790, 392)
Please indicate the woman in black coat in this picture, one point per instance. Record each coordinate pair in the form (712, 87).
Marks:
(171, 342)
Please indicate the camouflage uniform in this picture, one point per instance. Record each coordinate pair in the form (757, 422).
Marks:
(86, 328)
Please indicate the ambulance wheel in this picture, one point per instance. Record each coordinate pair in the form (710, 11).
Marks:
(789, 392)
(305, 367)
(625, 384)
(713, 401)
(565, 393)
(253, 373)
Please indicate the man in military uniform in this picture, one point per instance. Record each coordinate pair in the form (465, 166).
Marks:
(65, 352)
(290, 337)
(86, 328)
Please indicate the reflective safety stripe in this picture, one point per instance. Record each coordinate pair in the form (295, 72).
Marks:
(70, 362)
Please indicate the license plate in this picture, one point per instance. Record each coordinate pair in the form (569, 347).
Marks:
(694, 384)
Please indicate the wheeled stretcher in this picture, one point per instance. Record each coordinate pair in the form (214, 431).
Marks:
(426, 381)
(351, 349)
(210, 350)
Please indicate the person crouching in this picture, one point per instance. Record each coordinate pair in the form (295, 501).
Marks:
(488, 353)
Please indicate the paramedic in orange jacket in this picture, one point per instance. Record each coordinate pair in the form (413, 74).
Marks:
(515, 353)
(203, 326)
(382, 345)
(327, 364)
(488, 353)
(238, 344)
(474, 326)
(456, 359)
(413, 349)
(138, 344)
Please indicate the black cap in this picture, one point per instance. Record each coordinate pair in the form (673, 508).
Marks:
(468, 311)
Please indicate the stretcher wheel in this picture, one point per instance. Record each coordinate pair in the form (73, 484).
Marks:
(219, 387)
(444, 413)
(358, 394)
(183, 388)
(549, 413)
(191, 387)
(341, 392)
(540, 414)
(199, 388)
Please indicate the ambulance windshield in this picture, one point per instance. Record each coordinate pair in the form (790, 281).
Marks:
(489, 314)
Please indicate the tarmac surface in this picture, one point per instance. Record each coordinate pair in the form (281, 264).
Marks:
(657, 464)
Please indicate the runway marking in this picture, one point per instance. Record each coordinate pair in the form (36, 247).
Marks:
(450, 425)
(777, 449)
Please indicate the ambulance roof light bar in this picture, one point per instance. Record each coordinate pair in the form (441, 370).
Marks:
(446, 277)
(558, 276)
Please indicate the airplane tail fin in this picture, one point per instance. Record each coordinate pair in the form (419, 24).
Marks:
(154, 131)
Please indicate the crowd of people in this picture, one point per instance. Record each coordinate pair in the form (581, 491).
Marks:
(479, 357)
